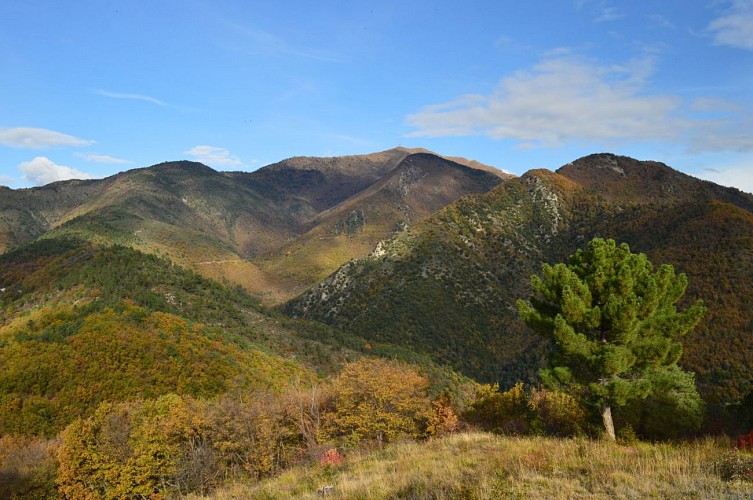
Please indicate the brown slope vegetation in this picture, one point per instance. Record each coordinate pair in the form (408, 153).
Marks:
(308, 185)
(447, 287)
(712, 242)
(218, 222)
(621, 179)
(416, 188)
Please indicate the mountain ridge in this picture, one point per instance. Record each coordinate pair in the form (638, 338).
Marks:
(447, 286)
(217, 223)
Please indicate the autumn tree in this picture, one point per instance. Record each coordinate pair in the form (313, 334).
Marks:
(614, 324)
(377, 400)
(127, 450)
(444, 419)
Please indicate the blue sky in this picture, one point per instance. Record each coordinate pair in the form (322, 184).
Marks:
(90, 88)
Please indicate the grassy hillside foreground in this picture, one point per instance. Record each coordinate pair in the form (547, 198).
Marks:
(482, 465)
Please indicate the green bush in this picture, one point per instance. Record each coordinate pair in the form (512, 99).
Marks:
(673, 411)
(502, 412)
(556, 413)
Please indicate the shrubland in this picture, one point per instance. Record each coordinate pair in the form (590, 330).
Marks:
(373, 431)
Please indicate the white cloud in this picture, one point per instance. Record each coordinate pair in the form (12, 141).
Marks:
(214, 156)
(560, 100)
(133, 97)
(715, 105)
(42, 171)
(739, 176)
(97, 158)
(38, 138)
(724, 134)
(6, 180)
(568, 100)
(735, 27)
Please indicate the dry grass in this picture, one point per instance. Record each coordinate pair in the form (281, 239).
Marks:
(478, 465)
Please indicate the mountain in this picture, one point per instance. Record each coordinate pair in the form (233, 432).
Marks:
(447, 286)
(220, 223)
(82, 323)
(419, 185)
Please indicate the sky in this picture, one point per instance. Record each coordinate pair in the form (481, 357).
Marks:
(93, 87)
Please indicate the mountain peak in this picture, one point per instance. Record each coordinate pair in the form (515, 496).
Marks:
(613, 165)
(181, 167)
(625, 179)
(499, 172)
(621, 178)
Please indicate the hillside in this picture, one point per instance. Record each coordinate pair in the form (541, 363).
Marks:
(82, 323)
(417, 187)
(218, 223)
(477, 465)
(447, 287)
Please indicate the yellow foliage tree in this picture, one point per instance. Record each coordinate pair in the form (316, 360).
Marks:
(377, 400)
(126, 450)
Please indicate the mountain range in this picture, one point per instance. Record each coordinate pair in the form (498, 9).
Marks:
(400, 253)
(274, 231)
(447, 287)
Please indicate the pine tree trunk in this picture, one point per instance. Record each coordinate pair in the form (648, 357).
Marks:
(606, 415)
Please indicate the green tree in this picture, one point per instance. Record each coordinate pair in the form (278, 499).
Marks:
(614, 324)
(673, 410)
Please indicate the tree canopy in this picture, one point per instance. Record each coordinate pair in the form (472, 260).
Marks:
(614, 322)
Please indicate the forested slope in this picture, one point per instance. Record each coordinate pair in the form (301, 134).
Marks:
(447, 287)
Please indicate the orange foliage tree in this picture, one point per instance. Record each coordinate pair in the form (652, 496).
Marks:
(377, 400)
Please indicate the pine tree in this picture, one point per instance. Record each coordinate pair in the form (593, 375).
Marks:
(613, 321)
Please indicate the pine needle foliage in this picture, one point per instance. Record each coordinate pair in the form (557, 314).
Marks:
(613, 321)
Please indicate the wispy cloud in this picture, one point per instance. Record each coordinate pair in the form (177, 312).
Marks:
(715, 105)
(261, 42)
(505, 43)
(570, 100)
(97, 158)
(129, 96)
(731, 133)
(351, 139)
(739, 176)
(661, 21)
(6, 180)
(601, 10)
(42, 170)
(607, 14)
(735, 27)
(38, 138)
(214, 156)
